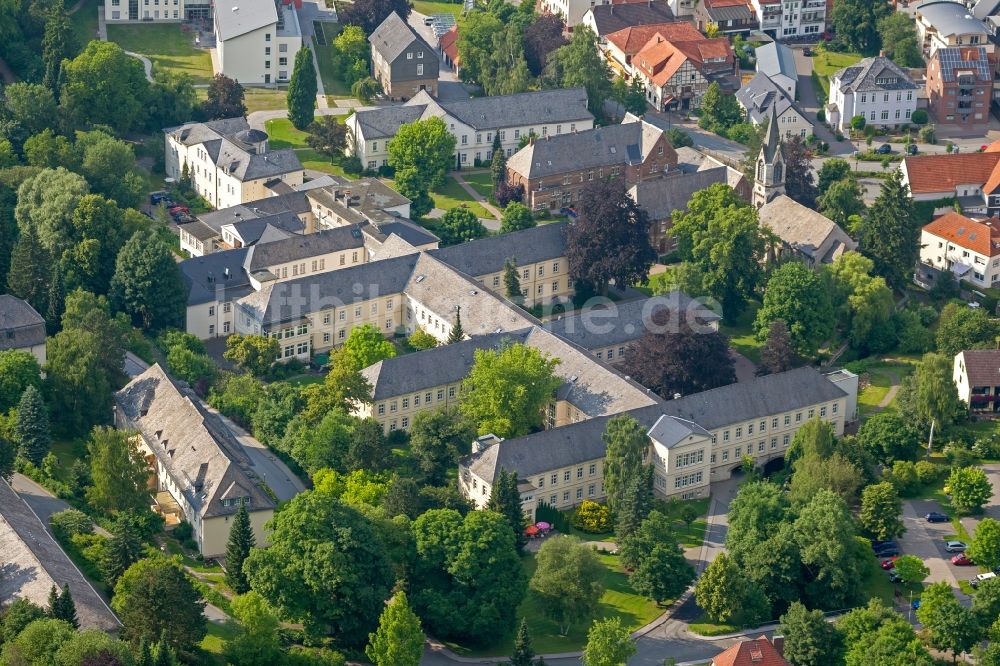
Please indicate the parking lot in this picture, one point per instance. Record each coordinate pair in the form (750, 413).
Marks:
(927, 541)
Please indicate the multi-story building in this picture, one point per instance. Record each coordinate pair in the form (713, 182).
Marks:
(942, 24)
(875, 88)
(21, 327)
(960, 87)
(619, 47)
(777, 62)
(969, 248)
(760, 93)
(227, 162)
(604, 18)
(730, 17)
(402, 62)
(973, 179)
(473, 122)
(256, 40)
(977, 377)
(555, 169)
(790, 19)
(199, 470)
(676, 72)
(694, 440)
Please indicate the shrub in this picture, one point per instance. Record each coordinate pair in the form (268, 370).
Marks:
(821, 116)
(959, 455)
(183, 531)
(928, 472)
(987, 447)
(592, 517)
(70, 522)
(927, 134)
(858, 122)
(904, 477)
(919, 117)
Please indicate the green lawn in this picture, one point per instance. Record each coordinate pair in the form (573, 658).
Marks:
(68, 451)
(481, 183)
(451, 195)
(84, 21)
(428, 8)
(282, 134)
(881, 378)
(257, 99)
(618, 600)
(741, 335)
(167, 46)
(333, 85)
(827, 63)
(312, 160)
(215, 640)
(878, 585)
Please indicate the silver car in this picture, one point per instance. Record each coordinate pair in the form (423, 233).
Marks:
(955, 546)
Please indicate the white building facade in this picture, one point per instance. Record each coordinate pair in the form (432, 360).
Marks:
(875, 88)
(256, 40)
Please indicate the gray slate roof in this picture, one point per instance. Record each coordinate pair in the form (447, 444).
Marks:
(33, 562)
(262, 255)
(724, 13)
(804, 229)
(612, 18)
(535, 107)
(295, 202)
(487, 255)
(251, 231)
(985, 9)
(20, 325)
(201, 455)
(612, 145)
(441, 365)
(393, 36)
(671, 431)
(733, 404)
(662, 196)
(759, 94)
(207, 279)
(226, 142)
(383, 122)
(863, 76)
(775, 58)
(623, 322)
(238, 17)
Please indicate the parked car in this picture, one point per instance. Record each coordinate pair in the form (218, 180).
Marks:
(428, 20)
(890, 563)
(935, 517)
(876, 544)
(980, 578)
(156, 198)
(177, 210)
(912, 149)
(955, 546)
(961, 560)
(887, 551)
(915, 604)
(884, 149)
(894, 577)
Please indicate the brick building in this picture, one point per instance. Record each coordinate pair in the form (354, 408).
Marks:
(959, 87)
(554, 169)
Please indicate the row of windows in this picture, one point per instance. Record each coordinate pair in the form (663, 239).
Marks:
(885, 97)
(295, 350)
(591, 492)
(762, 426)
(342, 314)
(427, 399)
(567, 475)
(611, 353)
(688, 459)
(738, 451)
(688, 480)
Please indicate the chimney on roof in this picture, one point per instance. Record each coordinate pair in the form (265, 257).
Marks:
(779, 644)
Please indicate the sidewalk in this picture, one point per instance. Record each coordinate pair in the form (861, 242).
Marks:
(493, 210)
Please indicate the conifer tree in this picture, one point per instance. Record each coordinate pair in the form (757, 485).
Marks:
(498, 166)
(399, 641)
(56, 299)
(31, 427)
(67, 607)
(506, 500)
(241, 540)
(302, 90)
(58, 43)
(457, 334)
(122, 550)
(145, 655)
(28, 275)
(523, 654)
(511, 283)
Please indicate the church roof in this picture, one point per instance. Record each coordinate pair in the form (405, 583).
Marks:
(772, 139)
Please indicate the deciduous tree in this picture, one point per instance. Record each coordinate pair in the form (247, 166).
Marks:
(516, 216)
(579, 63)
(936, 396)
(541, 38)
(421, 153)
(608, 644)
(253, 353)
(952, 626)
(777, 355)
(841, 200)
(969, 487)
(663, 574)
(797, 296)
(567, 581)
(225, 99)
(369, 14)
(626, 442)
(799, 183)
(459, 225)
(985, 547)
(809, 639)
(118, 472)
(911, 569)
(856, 24)
(437, 439)
(890, 437)
(961, 327)
(881, 511)
(327, 136)
(256, 642)
(104, 86)
(18, 370)
(833, 169)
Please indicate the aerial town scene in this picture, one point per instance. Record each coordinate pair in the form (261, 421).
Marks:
(528, 332)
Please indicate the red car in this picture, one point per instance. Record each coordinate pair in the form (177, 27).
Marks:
(961, 560)
(889, 563)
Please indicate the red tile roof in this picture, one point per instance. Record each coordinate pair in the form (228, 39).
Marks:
(982, 237)
(754, 652)
(631, 39)
(449, 43)
(660, 58)
(993, 147)
(941, 173)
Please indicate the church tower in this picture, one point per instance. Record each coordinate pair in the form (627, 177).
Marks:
(769, 172)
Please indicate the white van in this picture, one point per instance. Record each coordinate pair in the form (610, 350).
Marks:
(980, 578)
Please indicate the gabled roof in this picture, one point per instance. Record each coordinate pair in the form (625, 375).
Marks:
(201, 455)
(878, 73)
(614, 17)
(260, 229)
(982, 366)
(20, 324)
(393, 36)
(662, 196)
(449, 44)
(942, 173)
(753, 652)
(487, 255)
(982, 237)
(805, 230)
(964, 60)
(261, 256)
(528, 108)
(760, 93)
(238, 17)
(633, 38)
(213, 275)
(383, 122)
(670, 431)
(775, 58)
(232, 146)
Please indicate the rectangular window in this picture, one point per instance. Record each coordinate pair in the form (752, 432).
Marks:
(566, 496)
(590, 490)
(822, 411)
(566, 475)
(541, 482)
(760, 447)
(784, 440)
(579, 493)
(406, 421)
(725, 436)
(554, 479)
(451, 391)
(579, 472)
(774, 423)
(440, 394)
(392, 406)
(788, 419)
(798, 417)
(774, 442)
(834, 408)
(420, 69)
(427, 397)
(406, 403)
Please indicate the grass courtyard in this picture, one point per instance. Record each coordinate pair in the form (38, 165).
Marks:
(452, 195)
(167, 46)
(826, 63)
(282, 134)
(481, 183)
(618, 600)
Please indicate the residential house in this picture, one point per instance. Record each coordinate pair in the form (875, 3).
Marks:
(805, 235)
(760, 93)
(402, 62)
(474, 122)
(969, 248)
(200, 472)
(977, 376)
(256, 40)
(942, 24)
(662, 197)
(731, 17)
(875, 88)
(227, 162)
(760, 651)
(971, 178)
(676, 72)
(555, 169)
(791, 19)
(960, 86)
(21, 327)
(448, 46)
(608, 330)
(621, 46)
(33, 562)
(204, 235)
(777, 62)
(156, 11)
(603, 19)
(694, 440)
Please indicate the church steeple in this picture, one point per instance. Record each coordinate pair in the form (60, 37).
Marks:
(769, 172)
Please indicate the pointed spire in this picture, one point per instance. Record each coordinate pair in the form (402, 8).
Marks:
(772, 138)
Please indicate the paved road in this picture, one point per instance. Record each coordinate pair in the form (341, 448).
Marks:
(41, 501)
(926, 541)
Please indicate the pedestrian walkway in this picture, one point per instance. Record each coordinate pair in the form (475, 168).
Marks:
(479, 198)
